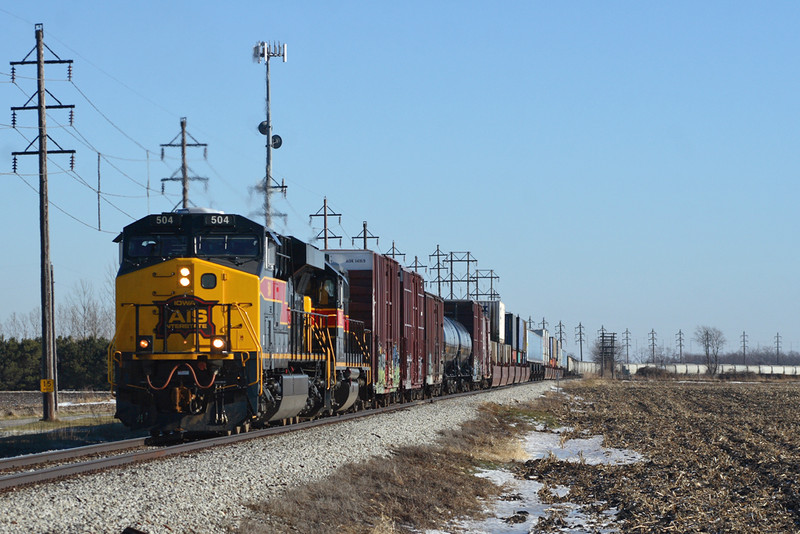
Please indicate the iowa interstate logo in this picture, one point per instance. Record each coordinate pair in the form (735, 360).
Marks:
(185, 315)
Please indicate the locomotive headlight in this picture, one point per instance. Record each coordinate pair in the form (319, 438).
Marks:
(144, 344)
(217, 344)
(184, 280)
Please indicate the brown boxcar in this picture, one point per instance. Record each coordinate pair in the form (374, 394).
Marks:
(434, 347)
(375, 300)
(412, 343)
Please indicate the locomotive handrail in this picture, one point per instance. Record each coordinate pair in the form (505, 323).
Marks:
(225, 328)
(112, 345)
(259, 353)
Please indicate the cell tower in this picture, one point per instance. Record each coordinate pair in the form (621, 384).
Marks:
(264, 51)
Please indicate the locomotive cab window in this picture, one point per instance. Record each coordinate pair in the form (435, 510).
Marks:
(240, 246)
(327, 293)
(157, 246)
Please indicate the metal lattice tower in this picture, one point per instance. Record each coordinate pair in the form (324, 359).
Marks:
(184, 177)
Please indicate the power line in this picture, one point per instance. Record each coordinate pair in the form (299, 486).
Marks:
(120, 130)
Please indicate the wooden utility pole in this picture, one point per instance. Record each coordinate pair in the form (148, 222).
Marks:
(48, 345)
(326, 233)
(48, 382)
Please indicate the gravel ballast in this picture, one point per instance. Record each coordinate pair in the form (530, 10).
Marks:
(208, 491)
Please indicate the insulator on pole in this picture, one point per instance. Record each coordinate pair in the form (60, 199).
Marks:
(162, 159)
(13, 74)
(69, 72)
(14, 119)
(14, 165)
(72, 162)
(205, 153)
(71, 117)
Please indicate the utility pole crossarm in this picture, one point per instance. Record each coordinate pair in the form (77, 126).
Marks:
(365, 235)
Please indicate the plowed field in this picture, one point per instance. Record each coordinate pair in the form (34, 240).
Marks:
(720, 457)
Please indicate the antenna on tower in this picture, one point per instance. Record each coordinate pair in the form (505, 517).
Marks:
(264, 51)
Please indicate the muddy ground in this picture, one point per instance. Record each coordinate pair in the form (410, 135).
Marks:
(720, 457)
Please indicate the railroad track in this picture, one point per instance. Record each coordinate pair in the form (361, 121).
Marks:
(47, 474)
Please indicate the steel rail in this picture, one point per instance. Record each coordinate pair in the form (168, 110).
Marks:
(44, 475)
(67, 454)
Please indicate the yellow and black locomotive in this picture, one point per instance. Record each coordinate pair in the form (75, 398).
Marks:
(222, 324)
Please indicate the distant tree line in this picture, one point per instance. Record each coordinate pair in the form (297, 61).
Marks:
(711, 342)
(84, 325)
(81, 363)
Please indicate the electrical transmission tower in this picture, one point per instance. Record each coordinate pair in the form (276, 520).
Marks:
(326, 212)
(184, 177)
(561, 338)
(49, 382)
(627, 334)
(365, 235)
(744, 348)
(652, 337)
(486, 275)
(460, 257)
(679, 339)
(580, 337)
(264, 51)
(607, 351)
(439, 267)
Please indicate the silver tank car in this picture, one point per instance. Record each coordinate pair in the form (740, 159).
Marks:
(457, 341)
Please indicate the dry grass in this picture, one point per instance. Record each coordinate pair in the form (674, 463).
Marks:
(415, 488)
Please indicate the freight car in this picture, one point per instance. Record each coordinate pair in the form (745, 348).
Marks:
(222, 324)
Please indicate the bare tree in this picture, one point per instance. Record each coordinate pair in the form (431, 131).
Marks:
(83, 316)
(712, 340)
(24, 325)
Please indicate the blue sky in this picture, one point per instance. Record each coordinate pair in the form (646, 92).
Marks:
(619, 164)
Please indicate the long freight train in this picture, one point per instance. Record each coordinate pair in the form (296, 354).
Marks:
(222, 324)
